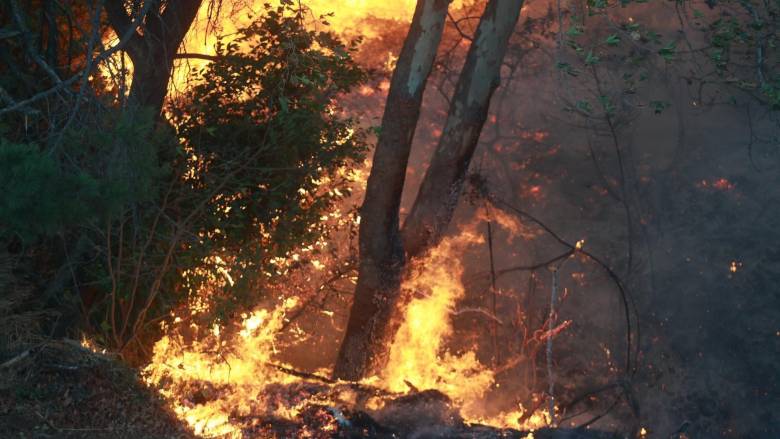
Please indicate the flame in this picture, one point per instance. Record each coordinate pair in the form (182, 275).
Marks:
(238, 366)
(216, 380)
(416, 354)
(346, 17)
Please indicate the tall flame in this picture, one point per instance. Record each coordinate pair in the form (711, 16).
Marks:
(417, 355)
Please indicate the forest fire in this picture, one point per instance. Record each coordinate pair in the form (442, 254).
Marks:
(368, 219)
(226, 381)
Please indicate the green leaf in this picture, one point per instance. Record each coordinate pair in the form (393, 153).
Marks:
(607, 105)
(659, 106)
(591, 59)
(613, 40)
(567, 68)
(584, 106)
(574, 31)
(597, 4)
(653, 37)
(668, 51)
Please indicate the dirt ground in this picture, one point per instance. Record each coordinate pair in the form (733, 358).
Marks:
(61, 390)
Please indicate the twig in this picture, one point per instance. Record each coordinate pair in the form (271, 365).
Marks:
(46, 420)
(313, 376)
(551, 324)
(124, 39)
(532, 267)
(600, 415)
(301, 374)
(624, 295)
(84, 76)
(337, 275)
(15, 359)
(41, 95)
(202, 56)
(493, 326)
(28, 44)
(491, 316)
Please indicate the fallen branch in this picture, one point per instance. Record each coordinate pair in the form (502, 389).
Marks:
(301, 374)
(315, 377)
(482, 311)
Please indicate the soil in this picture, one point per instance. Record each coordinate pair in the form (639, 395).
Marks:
(61, 390)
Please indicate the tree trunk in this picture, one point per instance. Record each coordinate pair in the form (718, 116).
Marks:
(152, 52)
(150, 80)
(443, 182)
(371, 324)
(383, 250)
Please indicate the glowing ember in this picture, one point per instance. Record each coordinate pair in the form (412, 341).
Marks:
(719, 184)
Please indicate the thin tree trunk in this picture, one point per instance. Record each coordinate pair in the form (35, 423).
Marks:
(371, 324)
(443, 182)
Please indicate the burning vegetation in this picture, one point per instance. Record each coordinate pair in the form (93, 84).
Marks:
(229, 381)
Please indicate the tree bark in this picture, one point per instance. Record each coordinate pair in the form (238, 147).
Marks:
(441, 187)
(153, 51)
(371, 324)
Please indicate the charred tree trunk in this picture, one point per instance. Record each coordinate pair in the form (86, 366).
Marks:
(370, 326)
(153, 51)
(435, 202)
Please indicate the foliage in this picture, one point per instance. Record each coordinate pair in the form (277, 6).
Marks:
(121, 215)
(106, 168)
(739, 51)
(266, 142)
(40, 199)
